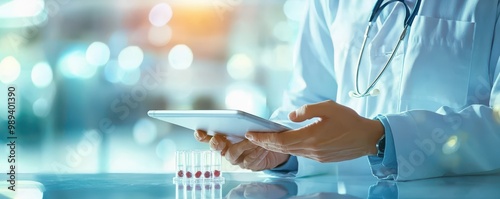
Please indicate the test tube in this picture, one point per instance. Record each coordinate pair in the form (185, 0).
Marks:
(180, 159)
(188, 158)
(198, 174)
(207, 164)
(216, 162)
(197, 168)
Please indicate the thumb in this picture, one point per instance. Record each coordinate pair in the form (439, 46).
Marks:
(310, 111)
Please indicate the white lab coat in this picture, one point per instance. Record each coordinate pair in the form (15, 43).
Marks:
(437, 94)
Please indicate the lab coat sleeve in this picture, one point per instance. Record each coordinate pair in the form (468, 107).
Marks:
(445, 143)
(312, 80)
(450, 142)
(385, 167)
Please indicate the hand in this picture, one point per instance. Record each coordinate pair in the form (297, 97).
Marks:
(339, 134)
(244, 153)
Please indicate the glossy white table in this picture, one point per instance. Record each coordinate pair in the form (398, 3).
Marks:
(246, 185)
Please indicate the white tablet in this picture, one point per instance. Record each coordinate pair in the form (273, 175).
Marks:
(227, 122)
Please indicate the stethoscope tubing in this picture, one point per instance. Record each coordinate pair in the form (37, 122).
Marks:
(379, 6)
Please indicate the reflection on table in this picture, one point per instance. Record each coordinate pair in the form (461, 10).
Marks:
(246, 185)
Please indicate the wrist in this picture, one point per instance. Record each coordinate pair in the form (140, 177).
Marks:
(376, 133)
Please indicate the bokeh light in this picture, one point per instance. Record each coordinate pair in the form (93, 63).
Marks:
(130, 58)
(160, 36)
(240, 66)
(294, 9)
(41, 75)
(41, 107)
(246, 97)
(160, 14)
(21, 8)
(73, 64)
(145, 131)
(180, 57)
(131, 77)
(452, 145)
(113, 73)
(9, 69)
(166, 149)
(97, 54)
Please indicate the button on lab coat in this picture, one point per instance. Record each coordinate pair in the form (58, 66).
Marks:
(437, 96)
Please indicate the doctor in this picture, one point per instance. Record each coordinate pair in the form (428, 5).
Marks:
(417, 97)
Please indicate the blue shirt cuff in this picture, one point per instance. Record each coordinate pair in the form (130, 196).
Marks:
(386, 167)
(290, 165)
(288, 169)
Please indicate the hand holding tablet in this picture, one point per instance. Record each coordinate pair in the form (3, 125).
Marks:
(232, 123)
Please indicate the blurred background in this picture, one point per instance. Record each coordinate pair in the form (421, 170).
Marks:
(87, 71)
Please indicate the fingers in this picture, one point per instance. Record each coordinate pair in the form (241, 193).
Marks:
(284, 142)
(284, 138)
(202, 136)
(219, 143)
(255, 159)
(309, 111)
(235, 152)
(270, 141)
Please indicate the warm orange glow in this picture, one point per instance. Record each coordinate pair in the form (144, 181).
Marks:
(197, 26)
(200, 27)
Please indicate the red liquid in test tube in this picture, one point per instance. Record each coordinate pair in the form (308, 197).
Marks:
(180, 159)
(216, 164)
(216, 173)
(197, 168)
(206, 162)
(188, 157)
(207, 174)
(197, 174)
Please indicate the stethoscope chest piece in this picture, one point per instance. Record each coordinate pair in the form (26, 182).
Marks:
(372, 92)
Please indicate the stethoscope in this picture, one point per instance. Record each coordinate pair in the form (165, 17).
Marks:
(379, 6)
